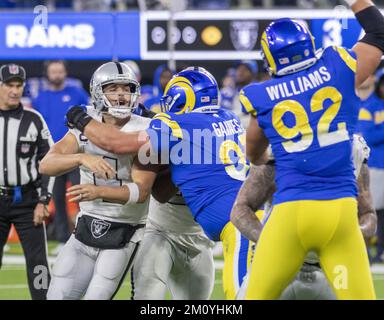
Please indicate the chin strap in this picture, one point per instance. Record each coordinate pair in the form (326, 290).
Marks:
(207, 109)
(297, 67)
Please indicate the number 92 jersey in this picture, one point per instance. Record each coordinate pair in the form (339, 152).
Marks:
(309, 118)
(206, 155)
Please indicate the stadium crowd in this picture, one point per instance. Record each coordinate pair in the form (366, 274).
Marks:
(120, 5)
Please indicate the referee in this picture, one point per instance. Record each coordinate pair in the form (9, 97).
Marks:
(24, 193)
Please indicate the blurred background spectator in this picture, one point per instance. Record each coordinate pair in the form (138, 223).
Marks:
(52, 100)
(246, 72)
(161, 77)
(371, 123)
(121, 5)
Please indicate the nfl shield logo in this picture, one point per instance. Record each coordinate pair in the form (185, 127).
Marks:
(99, 228)
(13, 69)
(25, 147)
(244, 34)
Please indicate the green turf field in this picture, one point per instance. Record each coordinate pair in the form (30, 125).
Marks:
(13, 281)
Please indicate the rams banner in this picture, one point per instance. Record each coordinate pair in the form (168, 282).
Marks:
(197, 35)
(69, 36)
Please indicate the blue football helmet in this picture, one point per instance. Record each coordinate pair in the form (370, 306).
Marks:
(193, 89)
(288, 47)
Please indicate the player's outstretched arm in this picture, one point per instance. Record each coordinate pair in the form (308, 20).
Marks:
(254, 192)
(257, 142)
(111, 139)
(105, 136)
(370, 48)
(367, 213)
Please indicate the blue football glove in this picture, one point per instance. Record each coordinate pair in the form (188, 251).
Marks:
(77, 117)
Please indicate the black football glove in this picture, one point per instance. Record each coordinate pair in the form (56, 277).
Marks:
(77, 117)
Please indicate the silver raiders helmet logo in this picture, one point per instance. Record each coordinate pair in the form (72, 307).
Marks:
(244, 34)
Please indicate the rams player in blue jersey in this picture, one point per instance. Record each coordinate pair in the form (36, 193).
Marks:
(204, 147)
(308, 112)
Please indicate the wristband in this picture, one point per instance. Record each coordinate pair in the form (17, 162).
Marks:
(134, 193)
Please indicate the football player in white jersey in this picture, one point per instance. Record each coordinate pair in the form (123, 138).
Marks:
(310, 283)
(175, 254)
(113, 194)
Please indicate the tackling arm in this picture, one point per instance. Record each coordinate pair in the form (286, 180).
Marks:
(105, 136)
(254, 192)
(257, 142)
(111, 139)
(367, 213)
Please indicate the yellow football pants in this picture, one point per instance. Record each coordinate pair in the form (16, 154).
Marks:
(330, 228)
(237, 252)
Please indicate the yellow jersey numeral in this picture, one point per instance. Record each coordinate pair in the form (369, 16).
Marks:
(302, 127)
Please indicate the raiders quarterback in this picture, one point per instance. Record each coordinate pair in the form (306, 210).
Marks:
(113, 194)
(310, 282)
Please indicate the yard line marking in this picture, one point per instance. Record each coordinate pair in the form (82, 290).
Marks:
(13, 286)
(219, 264)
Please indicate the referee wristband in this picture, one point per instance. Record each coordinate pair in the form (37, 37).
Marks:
(134, 193)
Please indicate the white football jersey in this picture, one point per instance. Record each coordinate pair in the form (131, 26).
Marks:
(173, 216)
(127, 213)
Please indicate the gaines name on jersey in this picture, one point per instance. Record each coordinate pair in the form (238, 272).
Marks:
(227, 128)
(185, 145)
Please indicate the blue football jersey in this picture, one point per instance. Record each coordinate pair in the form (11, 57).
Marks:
(206, 155)
(309, 118)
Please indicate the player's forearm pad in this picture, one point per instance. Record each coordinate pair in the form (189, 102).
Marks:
(372, 21)
(77, 118)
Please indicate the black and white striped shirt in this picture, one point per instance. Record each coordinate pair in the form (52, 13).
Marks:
(24, 141)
